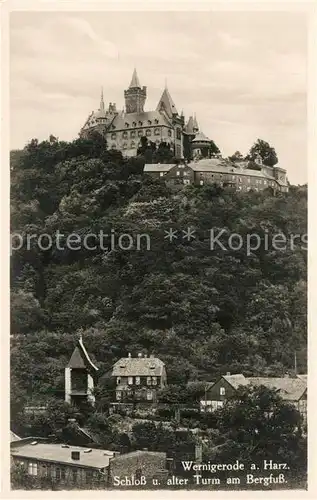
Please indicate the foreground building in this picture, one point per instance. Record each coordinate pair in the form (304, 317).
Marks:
(139, 379)
(293, 390)
(223, 172)
(79, 467)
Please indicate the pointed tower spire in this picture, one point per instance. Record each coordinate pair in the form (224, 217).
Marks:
(102, 104)
(195, 123)
(135, 82)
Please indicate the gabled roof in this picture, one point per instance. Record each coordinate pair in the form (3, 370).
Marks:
(236, 380)
(291, 389)
(80, 358)
(135, 82)
(167, 103)
(14, 437)
(138, 367)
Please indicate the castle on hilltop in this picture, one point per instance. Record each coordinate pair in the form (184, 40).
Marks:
(126, 130)
(123, 129)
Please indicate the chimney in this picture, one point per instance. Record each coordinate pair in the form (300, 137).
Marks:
(75, 455)
(129, 355)
(228, 373)
(140, 355)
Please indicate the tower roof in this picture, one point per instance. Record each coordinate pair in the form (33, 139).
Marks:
(167, 103)
(101, 111)
(201, 137)
(189, 129)
(80, 358)
(195, 124)
(135, 82)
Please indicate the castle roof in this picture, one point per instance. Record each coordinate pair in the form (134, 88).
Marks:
(201, 137)
(135, 82)
(138, 367)
(80, 358)
(166, 102)
(120, 120)
(189, 128)
(195, 123)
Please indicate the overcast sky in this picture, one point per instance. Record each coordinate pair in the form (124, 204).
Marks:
(244, 74)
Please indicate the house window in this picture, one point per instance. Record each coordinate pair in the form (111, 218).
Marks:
(148, 132)
(240, 180)
(178, 172)
(113, 136)
(75, 475)
(130, 380)
(222, 391)
(88, 476)
(264, 182)
(154, 381)
(32, 469)
(63, 475)
(148, 380)
(201, 183)
(58, 474)
(118, 380)
(161, 174)
(157, 131)
(186, 174)
(149, 395)
(186, 181)
(137, 380)
(44, 471)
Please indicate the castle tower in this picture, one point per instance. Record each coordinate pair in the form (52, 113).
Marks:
(79, 376)
(135, 95)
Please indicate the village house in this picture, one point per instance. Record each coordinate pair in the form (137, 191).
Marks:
(238, 175)
(138, 379)
(79, 467)
(293, 390)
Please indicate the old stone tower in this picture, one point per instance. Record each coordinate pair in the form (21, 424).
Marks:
(79, 376)
(135, 95)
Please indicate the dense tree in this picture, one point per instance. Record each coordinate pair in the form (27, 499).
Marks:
(265, 151)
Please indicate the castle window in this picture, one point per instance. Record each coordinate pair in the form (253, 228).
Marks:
(157, 131)
(169, 133)
(124, 145)
(233, 177)
(140, 133)
(178, 133)
(125, 135)
(127, 125)
(140, 123)
(113, 136)
(156, 121)
(240, 180)
(149, 122)
(148, 132)
(133, 124)
(137, 380)
(132, 144)
(132, 134)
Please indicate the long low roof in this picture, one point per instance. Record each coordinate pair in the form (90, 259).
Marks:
(60, 453)
(211, 165)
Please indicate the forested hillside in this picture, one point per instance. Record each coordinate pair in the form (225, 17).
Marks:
(202, 311)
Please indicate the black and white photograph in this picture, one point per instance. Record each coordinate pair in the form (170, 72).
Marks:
(158, 248)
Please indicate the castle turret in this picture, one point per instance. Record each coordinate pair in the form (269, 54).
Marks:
(79, 376)
(135, 95)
